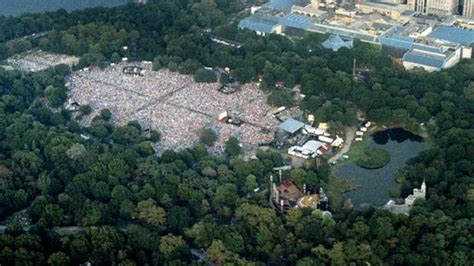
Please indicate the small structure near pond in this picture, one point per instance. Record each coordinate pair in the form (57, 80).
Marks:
(405, 208)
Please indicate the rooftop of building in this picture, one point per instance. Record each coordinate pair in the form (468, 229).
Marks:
(312, 145)
(285, 5)
(289, 191)
(453, 34)
(335, 42)
(296, 21)
(259, 22)
(426, 59)
(291, 125)
(390, 6)
(309, 9)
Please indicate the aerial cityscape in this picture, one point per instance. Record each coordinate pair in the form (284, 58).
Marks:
(237, 132)
(426, 34)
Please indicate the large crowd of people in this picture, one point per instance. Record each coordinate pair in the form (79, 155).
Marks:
(174, 104)
(37, 60)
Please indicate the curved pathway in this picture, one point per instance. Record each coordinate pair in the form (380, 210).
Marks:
(350, 135)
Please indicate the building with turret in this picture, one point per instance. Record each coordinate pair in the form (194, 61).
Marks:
(417, 194)
(405, 208)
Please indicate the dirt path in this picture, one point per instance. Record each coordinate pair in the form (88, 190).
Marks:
(350, 135)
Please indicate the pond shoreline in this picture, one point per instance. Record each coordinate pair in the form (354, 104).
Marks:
(375, 184)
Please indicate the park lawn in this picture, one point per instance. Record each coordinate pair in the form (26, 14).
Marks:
(357, 150)
(373, 158)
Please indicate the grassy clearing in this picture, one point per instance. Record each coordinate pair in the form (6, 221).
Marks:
(357, 150)
(373, 158)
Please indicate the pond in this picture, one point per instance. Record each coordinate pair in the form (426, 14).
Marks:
(375, 184)
(16, 7)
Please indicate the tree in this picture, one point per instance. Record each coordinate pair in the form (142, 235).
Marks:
(219, 254)
(85, 110)
(76, 151)
(105, 242)
(189, 67)
(179, 218)
(142, 238)
(148, 211)
(232, 147)
(172, 246)
(203, 233)
(204, 75)
(157, 64)
(126, 134)
(44, 182)
(208, 137)
(58, 259)
(155, 136)
(105, 114)
(255, 216)
(250, 183)
(115, 58)
(172, 66)
(56, 96)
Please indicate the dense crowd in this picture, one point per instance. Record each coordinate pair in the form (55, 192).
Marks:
(34, 61)
(174, 104)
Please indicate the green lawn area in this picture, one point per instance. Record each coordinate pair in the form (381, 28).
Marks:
(357, 150)
(367, 157)
(373, 158)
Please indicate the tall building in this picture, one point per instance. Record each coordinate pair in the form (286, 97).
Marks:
(468, 9)
(435, 7)
(417, 5)
(442, 7)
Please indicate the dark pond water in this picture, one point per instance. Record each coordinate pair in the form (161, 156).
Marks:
(375, 184)
(17, 7)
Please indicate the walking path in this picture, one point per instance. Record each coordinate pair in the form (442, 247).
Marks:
(350, 135)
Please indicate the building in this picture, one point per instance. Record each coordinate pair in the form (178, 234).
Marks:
(442, 7)
(434, 7)
(393, 11)
(295, 21)
(433, 59)
(287, 196)
(311, 148)
(335, 42)
(311, 10)
(405, 207)
(465, 37)
(468, 9)
(432, 47)
(261, 23)
(284, 5)
(291, 126)
(427, 37)
(417, 194)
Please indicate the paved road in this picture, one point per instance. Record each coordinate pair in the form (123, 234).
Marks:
(350, 135)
